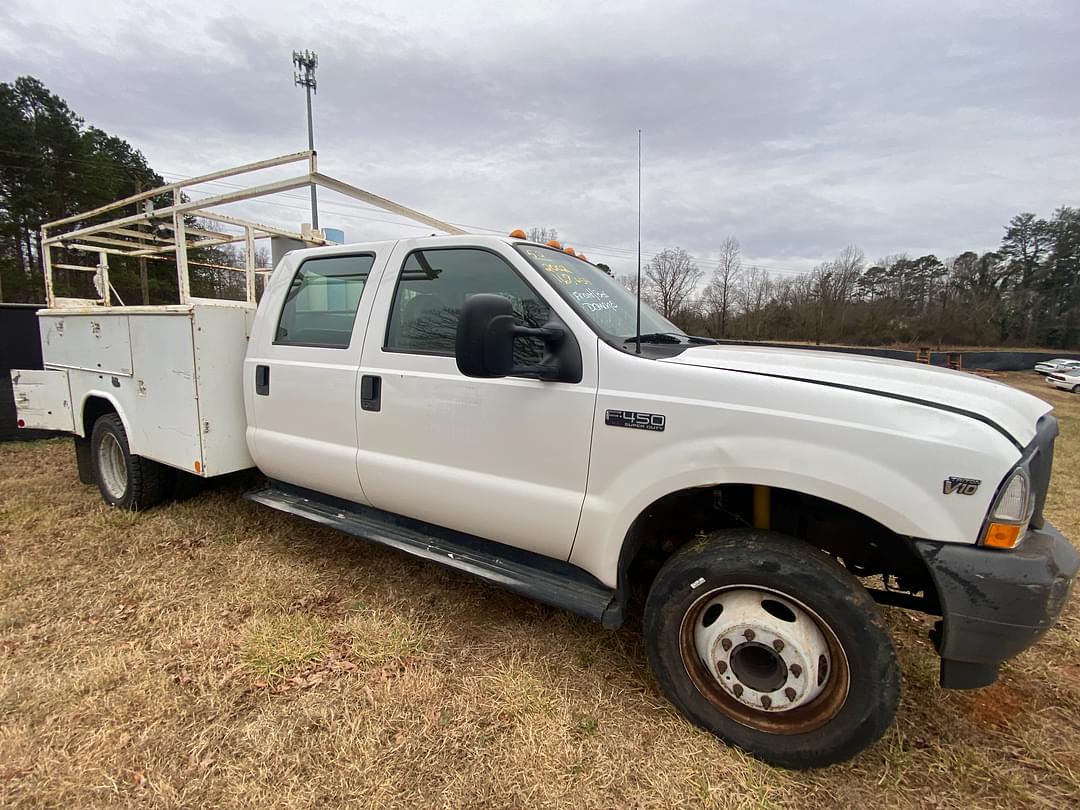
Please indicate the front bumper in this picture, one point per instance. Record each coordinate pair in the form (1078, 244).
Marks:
(996, 604)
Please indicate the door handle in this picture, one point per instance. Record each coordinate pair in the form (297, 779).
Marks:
(262, 380)
(371, 392)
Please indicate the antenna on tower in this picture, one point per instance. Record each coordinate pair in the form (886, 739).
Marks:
(638, 333)
(304, 76)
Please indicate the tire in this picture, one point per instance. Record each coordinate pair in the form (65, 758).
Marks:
(126, 481)
(714, 617)
(1076, 389)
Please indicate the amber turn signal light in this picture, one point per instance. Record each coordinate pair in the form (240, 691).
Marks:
(1002, 535)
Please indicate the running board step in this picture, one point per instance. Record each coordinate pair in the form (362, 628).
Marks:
(553, 582)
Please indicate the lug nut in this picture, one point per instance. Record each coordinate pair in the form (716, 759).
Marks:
(778, 645)
(796, 670)
(766, 701)
(749, 635)
(789, 693)
(725, 643)
(737, 689)
(721, 667)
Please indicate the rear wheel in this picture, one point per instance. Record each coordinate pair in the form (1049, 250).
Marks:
(1076, 389)
(126, 481)
(772, 646)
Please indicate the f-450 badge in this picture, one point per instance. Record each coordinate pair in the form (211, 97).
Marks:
(960, 486)
(635, 419)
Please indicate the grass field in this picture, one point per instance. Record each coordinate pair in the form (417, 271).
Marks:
(215, 653)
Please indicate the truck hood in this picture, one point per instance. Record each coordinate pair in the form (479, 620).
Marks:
(1012, 412)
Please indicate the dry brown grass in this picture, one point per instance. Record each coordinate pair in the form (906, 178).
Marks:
(214, 653)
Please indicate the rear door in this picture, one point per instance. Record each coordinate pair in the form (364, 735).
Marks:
(300, 374)
(504, 459)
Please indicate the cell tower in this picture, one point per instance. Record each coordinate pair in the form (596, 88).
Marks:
(304, 76)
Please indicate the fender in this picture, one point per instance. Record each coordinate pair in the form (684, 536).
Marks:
(865, 476)
(95, 393)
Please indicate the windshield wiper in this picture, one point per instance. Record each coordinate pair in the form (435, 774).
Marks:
(657, 337)
(668, 337)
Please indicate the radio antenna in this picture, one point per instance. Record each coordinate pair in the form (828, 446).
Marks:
(638, 334)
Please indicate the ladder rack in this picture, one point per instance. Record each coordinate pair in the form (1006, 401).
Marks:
(158, 233)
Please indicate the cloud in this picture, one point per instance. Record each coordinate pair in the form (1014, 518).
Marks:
(799, 130)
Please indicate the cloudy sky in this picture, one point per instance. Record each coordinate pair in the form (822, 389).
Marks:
(797, 127)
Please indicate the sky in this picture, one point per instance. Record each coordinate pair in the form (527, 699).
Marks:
(798, 128)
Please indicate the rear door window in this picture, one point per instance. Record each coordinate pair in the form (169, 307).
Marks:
(320, 307)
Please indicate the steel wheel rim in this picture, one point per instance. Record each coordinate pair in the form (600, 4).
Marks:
(753, 661)
(112, 466)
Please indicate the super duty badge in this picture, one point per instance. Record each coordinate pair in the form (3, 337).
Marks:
(635, 419)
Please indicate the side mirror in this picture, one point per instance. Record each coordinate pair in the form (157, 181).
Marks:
(485, 343)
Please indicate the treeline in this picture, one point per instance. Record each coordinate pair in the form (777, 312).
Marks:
(1025, 293)
(53, 165)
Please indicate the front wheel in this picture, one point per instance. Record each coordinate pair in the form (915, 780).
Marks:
(1076, 389)
(769, 644)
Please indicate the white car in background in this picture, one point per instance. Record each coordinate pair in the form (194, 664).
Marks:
(1068, 380)
(1053, 366)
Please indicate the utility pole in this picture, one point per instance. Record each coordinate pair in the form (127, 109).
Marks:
(304, 76)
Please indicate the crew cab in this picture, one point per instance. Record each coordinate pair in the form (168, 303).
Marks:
(490, 404)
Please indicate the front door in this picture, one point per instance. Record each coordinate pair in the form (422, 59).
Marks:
(505, 459)
(300, 373)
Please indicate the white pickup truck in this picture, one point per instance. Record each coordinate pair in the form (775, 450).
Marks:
(482, 402)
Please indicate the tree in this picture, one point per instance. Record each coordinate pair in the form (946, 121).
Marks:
(543, 235)
(53, 166)
(752, 298)
(672, 278)
(719, 292)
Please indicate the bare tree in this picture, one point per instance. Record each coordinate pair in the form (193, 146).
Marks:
(847, 268)
(751, 298)
(720, 292)
(543, 235)
(673, 277)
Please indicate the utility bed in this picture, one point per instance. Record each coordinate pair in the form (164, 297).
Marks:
(174, 372)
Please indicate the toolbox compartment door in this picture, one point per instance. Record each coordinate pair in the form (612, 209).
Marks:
(42, 400)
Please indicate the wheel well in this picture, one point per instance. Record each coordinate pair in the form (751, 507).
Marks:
(93, 409)
(861, 544)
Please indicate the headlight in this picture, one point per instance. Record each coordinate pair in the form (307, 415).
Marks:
(1016, 502)
(1008, 519)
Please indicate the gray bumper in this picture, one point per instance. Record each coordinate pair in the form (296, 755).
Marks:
(996, 604)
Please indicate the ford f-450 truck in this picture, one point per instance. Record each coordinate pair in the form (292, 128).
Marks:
(490, 404)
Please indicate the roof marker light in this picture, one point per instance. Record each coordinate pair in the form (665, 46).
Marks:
(569, 250)
(517, 233)
(554, 243)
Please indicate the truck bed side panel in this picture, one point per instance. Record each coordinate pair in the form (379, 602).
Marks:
(144, 363)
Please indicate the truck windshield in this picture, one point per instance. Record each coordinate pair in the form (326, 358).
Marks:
(608, 306)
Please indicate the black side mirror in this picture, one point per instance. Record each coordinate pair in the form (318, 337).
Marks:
(485, 343)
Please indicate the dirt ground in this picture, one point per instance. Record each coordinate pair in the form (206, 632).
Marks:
(215, 653)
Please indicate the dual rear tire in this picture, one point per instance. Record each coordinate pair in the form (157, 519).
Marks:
(125, 480)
